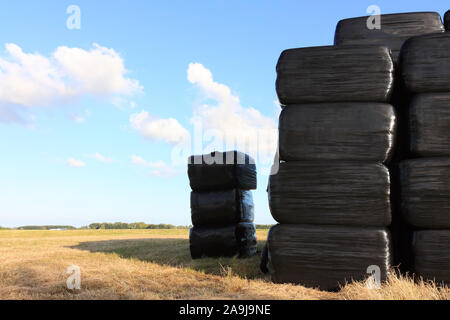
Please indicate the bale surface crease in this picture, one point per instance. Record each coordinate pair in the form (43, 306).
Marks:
(326, 257)
(331, 193)
(431, 250)
(337, 131)
(429, 118)
(334, 74)
(425, 192)
(394, 30)
(426, 63)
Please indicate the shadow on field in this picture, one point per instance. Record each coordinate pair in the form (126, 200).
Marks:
(175, 253)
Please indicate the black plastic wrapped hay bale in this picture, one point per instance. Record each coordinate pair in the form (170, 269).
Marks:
(337, 131)
(429, 118)
(431, 250)
(221, 208)
(331, 193)
(395, 30)
(228, 241)
(447, 20)
(426, 63)
(425, 185)
(222, 171)
(326, 256)
(333, 74)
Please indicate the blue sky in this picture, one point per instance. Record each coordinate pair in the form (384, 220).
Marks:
(89, 118)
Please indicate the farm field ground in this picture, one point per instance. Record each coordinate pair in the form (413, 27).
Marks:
(155, 264)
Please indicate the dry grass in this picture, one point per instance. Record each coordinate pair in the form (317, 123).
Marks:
(155, 264)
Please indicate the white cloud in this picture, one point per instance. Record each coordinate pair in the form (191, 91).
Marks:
(33, 80)
(159, 168)
(80, 118)
(71, 162)
(167, 130)
(101, 158)
(138, 160)
(245, 128)
(225, 125)
(77, 118)
(100, 71)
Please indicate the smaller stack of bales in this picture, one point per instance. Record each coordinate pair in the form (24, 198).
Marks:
(425, 178)
(222, 208)
(331, 194)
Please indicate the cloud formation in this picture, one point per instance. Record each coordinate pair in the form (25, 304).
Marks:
(71, 162)
(30, 80)
(158, 169)
(101, 158)
(80, 118)
(167, 130)
(228, 121)
(222, 123)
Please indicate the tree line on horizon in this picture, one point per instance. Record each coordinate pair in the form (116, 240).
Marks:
(115, 226)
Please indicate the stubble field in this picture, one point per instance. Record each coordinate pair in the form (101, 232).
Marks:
(155, 264)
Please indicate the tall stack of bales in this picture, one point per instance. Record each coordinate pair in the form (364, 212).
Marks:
(222, 208)
(425, 177)
(331, 194)
(393, 31)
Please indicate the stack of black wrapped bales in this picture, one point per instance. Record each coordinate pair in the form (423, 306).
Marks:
(331, 194)
(393, 31)
(426, 176)
(222, 208)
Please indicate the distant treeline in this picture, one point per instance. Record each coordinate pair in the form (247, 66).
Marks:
(134, 225)
(118, 225)
(45, 228)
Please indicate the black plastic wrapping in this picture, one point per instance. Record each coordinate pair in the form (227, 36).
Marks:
(331, 193)
(221, 208)
(222, 171)
(228, 241)
(429, 118)
(431, 250)
(246, 237)
(426, 63)
(326, 256)
(333, 74)
(264, 260)
(447, 20)
(426, 192)
(337, 131)
(395, 30)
